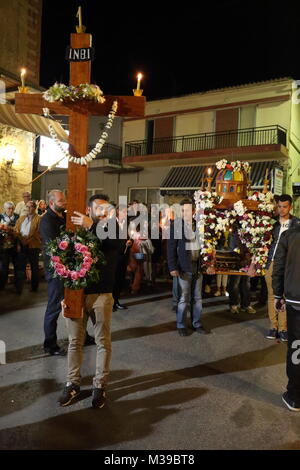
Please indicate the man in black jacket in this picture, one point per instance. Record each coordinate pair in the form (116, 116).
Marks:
(184, 262)
(99, 301)
(286, 287)
(50, 226)
(285, 221)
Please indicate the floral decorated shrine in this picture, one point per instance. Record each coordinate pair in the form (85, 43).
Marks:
(232, 211)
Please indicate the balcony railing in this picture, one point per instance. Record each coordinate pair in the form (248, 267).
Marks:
(207, 141)
(110, 152)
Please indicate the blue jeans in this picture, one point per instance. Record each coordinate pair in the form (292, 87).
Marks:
(190, 299)
(175, 291)
(55, 296)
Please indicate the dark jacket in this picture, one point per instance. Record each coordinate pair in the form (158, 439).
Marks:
(12, 221)
(110, 249)
(50, 227)
(286, 272)
(179, 258)
(275, 233)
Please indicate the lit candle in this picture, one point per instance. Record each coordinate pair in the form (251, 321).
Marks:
(139, 77)
(23, 73)
(267, 171)
(209, 171)
(80, 17)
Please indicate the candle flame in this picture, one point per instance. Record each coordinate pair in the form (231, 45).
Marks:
(209, 171)
(139, 77)
(23, 72)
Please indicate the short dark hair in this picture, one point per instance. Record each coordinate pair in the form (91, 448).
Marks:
(104, 197)
(285, 197)
(276, 198)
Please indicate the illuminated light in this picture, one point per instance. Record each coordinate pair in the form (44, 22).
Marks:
(23, 73)
(139, 78)
(50, 153)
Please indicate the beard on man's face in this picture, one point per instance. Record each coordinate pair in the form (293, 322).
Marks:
(59, 208)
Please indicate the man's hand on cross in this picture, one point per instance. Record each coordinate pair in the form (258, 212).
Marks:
(82, 220)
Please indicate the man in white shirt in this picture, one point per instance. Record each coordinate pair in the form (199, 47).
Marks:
(21, 208)
(285, 222)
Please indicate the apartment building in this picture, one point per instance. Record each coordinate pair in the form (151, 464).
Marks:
(166, 154)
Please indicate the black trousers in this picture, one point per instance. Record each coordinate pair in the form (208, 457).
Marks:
(120, 276)
(55, 296)
(7, 256)
(293, 354)
(239, 290)
(30, 255)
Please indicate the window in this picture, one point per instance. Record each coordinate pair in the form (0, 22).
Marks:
(144, 195)
(91, 191)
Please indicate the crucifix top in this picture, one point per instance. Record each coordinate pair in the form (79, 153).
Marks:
(80, 28)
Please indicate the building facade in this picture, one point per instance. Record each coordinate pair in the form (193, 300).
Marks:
(165, 155)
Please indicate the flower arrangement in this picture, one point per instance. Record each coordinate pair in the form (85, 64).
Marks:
(73, 258)
(233, 166)
(208, 224)
(254, 227)
(85, 91)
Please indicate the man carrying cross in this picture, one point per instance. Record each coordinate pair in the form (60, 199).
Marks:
(98, 303)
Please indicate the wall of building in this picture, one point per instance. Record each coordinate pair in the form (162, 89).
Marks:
(20, 26)
(15, 177)
(270, 114)
(198, 120)
(195, 123)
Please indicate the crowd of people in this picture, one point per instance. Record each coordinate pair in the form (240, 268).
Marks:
(135, 255)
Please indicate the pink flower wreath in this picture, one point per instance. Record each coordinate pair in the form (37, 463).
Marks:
(73, 258)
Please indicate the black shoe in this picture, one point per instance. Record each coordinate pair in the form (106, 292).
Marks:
(89, 340)
(55, 351)
(98, 398)
(118, 306)
(290, 404)
(283, 336)
(70, 392)
(201, 331)
(272, 334)
(182, 331)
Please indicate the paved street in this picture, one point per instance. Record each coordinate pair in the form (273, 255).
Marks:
(220, 391)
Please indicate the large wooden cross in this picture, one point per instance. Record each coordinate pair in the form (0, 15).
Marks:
(79, 112)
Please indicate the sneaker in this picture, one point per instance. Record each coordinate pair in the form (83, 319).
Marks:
(201, 331)
(283, 336)
(290, 404)
(248, 309)
(217, 294)
(272, 334)
(182, 331)
(70, 392)
(98, 398)
(234, 309)
(55, 351)
(207, 289)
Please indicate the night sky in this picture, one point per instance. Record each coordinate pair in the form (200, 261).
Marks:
(180, 50)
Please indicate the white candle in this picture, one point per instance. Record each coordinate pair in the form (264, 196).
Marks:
(23, 73)
(139, 77)
(80, 17)
(267, 171)
(209, 171)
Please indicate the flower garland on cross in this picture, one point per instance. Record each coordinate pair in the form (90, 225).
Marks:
(61, 92)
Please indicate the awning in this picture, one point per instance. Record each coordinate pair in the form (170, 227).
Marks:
(189, 178)
(30, 122)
